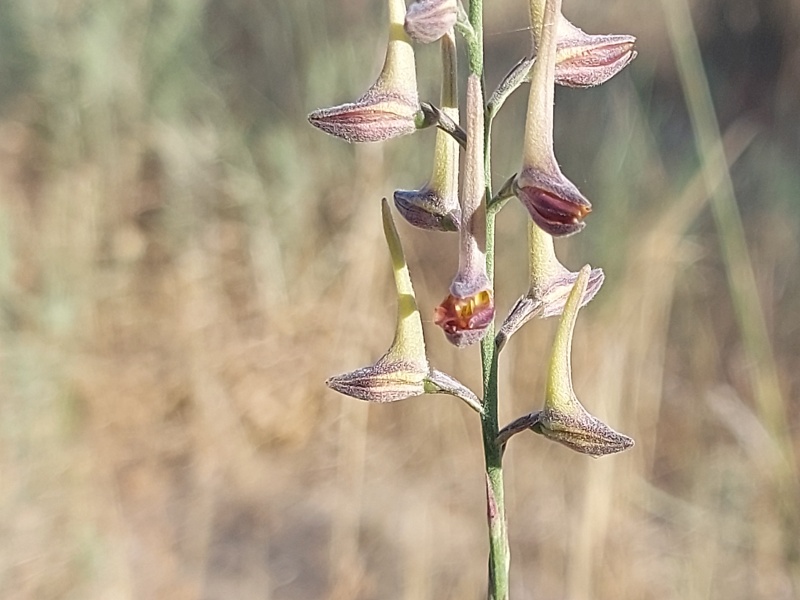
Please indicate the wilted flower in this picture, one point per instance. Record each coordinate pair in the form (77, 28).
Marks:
(550, 285)
(428, 20)
(467, 311)
(390, 107)
(403, 371)
(436, 206)
(564, 419)
(553, 202)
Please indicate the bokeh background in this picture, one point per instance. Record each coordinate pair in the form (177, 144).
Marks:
(184, 260)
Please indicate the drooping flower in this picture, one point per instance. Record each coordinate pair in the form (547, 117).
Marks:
(467, 311)
(435, 206)
(550, 285)
(390, 107)
(403, 371)
(552, 200)
(563, 418)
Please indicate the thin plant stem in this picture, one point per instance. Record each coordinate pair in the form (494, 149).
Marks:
(493, 455)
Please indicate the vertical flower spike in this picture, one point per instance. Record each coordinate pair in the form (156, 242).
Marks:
(564, 419)
(435, 206)
(550, 284)
(553, 202)
(583, 60)
(403, 371)
(468, 310)
(390, 107)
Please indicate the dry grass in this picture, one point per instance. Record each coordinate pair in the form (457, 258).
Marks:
(183, 262)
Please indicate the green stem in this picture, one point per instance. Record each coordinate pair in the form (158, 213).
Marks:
(493, 455)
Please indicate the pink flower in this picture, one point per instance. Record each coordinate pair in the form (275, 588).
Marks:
(390, 107)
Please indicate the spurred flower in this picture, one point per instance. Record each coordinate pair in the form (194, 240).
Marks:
(550, 285)
(435, 206)
(553, 202)
(390, 107)
(563, 418)
(582, 59)
(403, 371)
(428, 20)
(467, 311)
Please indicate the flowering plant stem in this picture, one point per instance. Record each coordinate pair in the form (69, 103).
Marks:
(493, 452)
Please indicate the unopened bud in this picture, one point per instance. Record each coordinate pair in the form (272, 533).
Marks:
(584, 60)
(427, 209)
(436, 205)
(550, 285)
(552, 200)
(403, 371)
(390, 107)
(385, 381)
(428, 20)
(564, 419)
(581, 432)
(375, 117)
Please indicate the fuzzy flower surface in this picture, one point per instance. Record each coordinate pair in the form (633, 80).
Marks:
(563, 418)
(553, 202)
(468, 310)
(390, 107)
(403, 371)
(549, 287)
(435, 206)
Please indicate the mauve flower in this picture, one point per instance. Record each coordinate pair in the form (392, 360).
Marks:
(563, 418)
(428, 20)
(435, 206)
(468, 310)
(553, 202)
(582, 59)
(550, 285)
(390, 107)
(403, 371)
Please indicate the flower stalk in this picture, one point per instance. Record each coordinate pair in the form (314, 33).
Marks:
(562, 55)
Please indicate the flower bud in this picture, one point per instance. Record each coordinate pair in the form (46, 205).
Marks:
(428, 20)
(552, 200)
(466, 313)
(564, 419)
(581, 432)
(436, 205)
(403, 371)
(550, 285)
(385, 381)
(584, 60)
(390, 107)
(427, 209)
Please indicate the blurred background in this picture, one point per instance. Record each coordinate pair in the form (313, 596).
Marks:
(184, 261)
